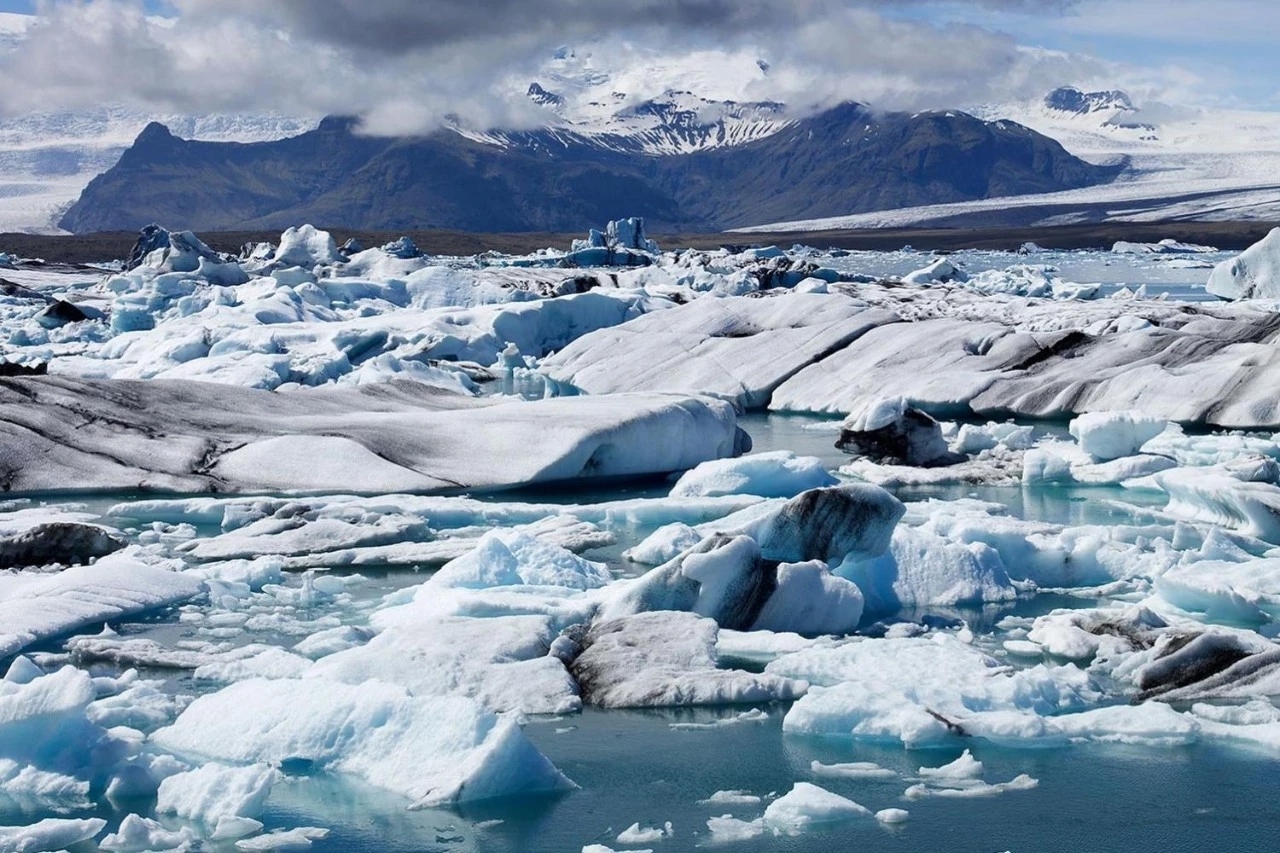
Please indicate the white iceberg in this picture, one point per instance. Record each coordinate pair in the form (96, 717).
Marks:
(434, 751)
(1254, 274)
(779, 474)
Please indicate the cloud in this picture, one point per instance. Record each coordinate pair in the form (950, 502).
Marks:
(407, 66)
(398, 26)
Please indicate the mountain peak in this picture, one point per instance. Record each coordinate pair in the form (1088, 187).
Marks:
(1069, 99)
(539, 95)
(338, 124)
(153, 132)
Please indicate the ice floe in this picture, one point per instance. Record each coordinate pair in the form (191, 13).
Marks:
(38, 607)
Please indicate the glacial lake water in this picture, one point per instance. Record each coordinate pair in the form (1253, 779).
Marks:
(634, 767)
(1181, 276)
(655, 767)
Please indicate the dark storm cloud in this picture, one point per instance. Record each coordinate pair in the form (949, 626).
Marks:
(396, 26)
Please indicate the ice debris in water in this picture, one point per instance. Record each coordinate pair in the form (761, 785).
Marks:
(757, 561)
(634, 834)
(299, 838)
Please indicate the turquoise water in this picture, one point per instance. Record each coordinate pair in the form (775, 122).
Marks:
(633, 767)
(1182, 277)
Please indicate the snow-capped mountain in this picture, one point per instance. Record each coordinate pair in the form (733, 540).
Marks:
(47, 158)
(1177, 163)
(1069, 99)
(673, 107)
(845, 158)
(675, 123)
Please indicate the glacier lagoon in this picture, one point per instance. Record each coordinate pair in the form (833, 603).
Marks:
(654, 766)
(1090, 611)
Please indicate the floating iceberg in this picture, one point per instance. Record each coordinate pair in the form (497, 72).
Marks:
(780, 474)
(40, 607)
(736, 348)
(432, 750)
(1112, 435)
(664, 660)
(1255, 274)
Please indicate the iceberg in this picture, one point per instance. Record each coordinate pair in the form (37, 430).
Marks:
(665, 660)
(922, 569)
(1254, 274)
(807, 804)
(735, 348)
(1219, 496)
(50, 834)
(504, 662)
(1111, 435)
(891, 431)
(217, 795)
(195, 437)
(780, 474)
(432, 750)
(729, 580)
(623, 243)
(34, 537)
(41, 607)
(927, 691)
(139, 834)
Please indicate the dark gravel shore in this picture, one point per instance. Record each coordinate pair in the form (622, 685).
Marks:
(87, 248)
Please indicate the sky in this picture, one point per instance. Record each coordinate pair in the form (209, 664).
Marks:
(409, 65)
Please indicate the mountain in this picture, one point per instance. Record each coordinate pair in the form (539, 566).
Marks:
(47, 158)
(1175, 163)
(847, 159)
(655, 104)
(1069, 99)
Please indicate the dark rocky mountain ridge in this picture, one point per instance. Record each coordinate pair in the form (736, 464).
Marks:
(845, 160)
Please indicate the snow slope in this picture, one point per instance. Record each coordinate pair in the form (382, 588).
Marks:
(653, 103)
